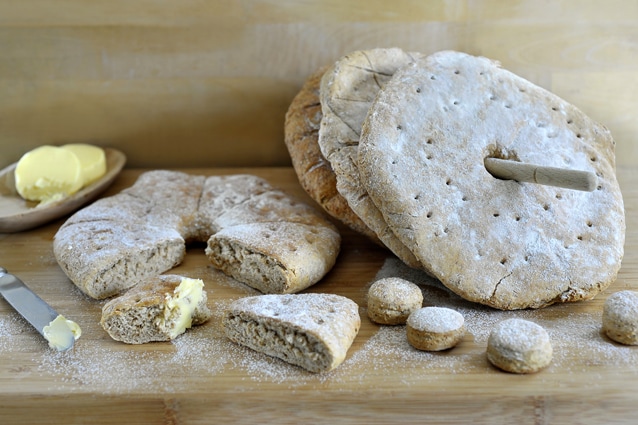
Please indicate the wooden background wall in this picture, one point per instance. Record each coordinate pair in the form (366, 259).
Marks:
(207, 82)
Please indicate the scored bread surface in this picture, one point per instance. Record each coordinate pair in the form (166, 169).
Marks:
(116, 242)
(498, 242)
(312, 331)
(347, 91)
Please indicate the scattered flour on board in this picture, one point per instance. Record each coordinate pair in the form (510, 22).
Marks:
(204, 352)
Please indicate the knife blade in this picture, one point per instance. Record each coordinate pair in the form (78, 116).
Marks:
(51, 325)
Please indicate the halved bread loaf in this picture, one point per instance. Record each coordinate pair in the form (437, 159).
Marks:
(117, 242)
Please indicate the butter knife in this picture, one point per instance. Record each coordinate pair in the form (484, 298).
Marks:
(57, 330)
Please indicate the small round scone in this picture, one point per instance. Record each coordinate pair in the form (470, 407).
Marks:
(497, 242)
(158, 309)
(301, 136)
(519, 346)
(435, 328)
(620, 317)
(312, 331)
(392, 299)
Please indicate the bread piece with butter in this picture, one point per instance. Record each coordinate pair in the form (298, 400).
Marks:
(312, 331)
(118, 241)
(159, 309)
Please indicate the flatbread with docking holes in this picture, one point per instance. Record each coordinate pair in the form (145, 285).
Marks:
(498, 242)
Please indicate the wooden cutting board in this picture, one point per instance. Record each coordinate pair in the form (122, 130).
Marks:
(203, 378)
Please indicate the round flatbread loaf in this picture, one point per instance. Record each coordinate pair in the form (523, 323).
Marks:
(505, 244)
(301, 135)
(254, 232)
(347, 91)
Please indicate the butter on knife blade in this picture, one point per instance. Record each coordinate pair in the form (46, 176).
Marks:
(58, 331)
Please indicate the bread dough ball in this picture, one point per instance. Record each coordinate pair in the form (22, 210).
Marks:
(620, 317)
(435, 328)
(519, 346)
(392, 299)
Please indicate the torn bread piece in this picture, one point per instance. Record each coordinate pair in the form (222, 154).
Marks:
(158, 309)
(312, 331)
(274, 258)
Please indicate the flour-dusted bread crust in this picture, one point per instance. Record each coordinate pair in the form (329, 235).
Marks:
(275, 258)
(502, 243)
(301, 135)
(392, 299)
(435, 328)
(138, 316)
(117, 242)
(347, 91)
(263, 237)
(620, 317)
(312, 331)
(519, 346)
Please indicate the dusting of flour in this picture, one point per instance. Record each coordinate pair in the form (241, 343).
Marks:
(204, 352)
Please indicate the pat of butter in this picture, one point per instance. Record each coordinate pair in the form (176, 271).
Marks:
(50, 173)
(61, 333)
(47, 174)
(180, 306)
(92, 161)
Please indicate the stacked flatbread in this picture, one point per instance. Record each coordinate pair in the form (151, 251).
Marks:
(331, 107)
(406, 136)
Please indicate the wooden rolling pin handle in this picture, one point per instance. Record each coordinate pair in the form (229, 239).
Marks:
(551, 176)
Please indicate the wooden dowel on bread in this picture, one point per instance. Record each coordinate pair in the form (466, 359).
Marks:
(551, 176)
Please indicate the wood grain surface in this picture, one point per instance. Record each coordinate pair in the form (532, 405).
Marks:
(207, 83)
(202, 378)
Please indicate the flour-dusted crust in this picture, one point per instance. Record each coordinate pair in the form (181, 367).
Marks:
(312, 331)
(502, 243)
(392, 299)
(435, 328)
(347, 91)
(301, 135)
(117, 242)
(519, 346)
(620, 317)
(137, 317)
